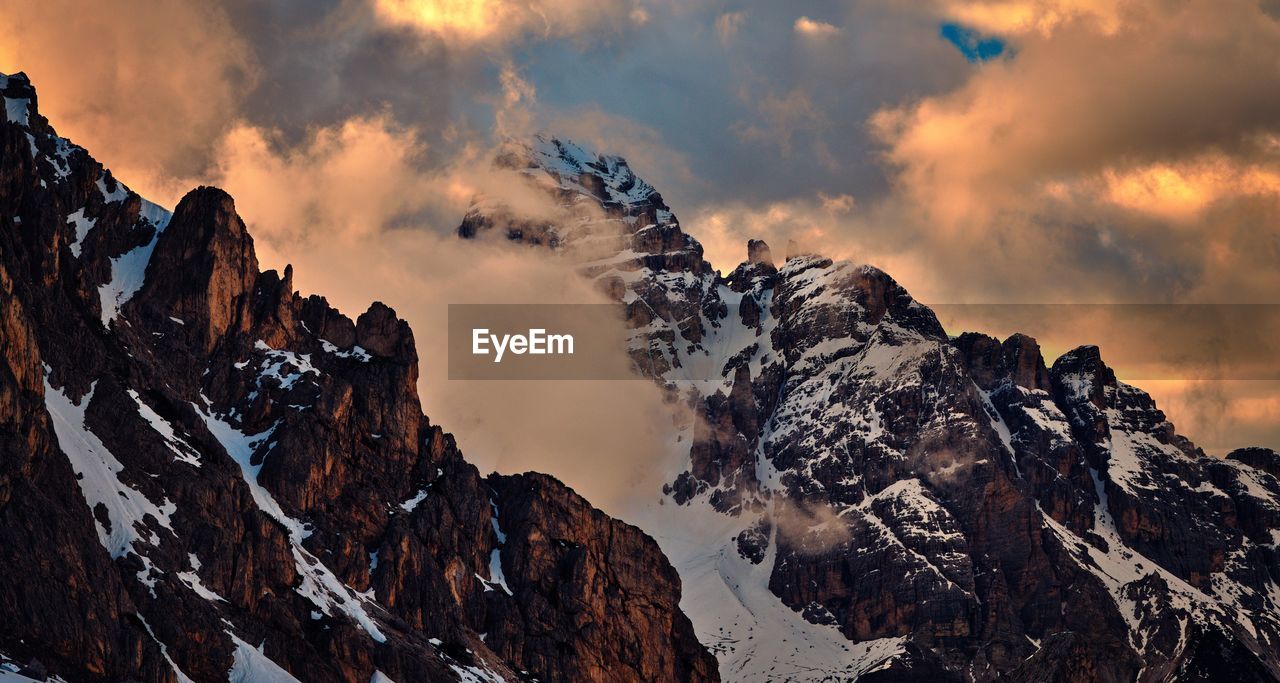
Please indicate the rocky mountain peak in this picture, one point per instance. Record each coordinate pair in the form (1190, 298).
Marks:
(206, 476)
(758, 252)
(18, 86)
(382, 332)
(1264, 459)
(202, 270)
(907, 505)
(1081, 373)
(607, 178)
(1017, 359)
(753, 273)
(20, 101)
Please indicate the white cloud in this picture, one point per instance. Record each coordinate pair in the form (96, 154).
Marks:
(815, 29)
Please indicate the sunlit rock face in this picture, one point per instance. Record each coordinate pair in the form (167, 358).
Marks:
(864, 495)
(205, 475)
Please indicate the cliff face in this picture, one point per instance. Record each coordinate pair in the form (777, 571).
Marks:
(878, 499)
(203, 473)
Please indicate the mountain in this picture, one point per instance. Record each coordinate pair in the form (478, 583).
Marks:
(206, 476)
(867, 496)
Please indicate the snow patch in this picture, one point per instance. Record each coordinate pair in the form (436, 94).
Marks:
(413, 502)
(286, 367)
(355, 352)
(18, 110)
(192, 580)
(119, 194)
(182, 451)
(241, 447)
(82, 225)
(97, 472)
(251, 665)
(164, 652)
(751, 632)
(496, 576)
(129, 270)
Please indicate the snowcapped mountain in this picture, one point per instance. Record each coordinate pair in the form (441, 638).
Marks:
(205, 476)
(866, 496)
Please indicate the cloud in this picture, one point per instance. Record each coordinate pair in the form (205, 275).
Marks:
(152, 92)
(841, 203)
(815, 29)
(1034, 16)
(469, 22)
(786, 117)
(728, 24)
(368, 219)
(1064, 163)
(1180, 191)
(811, 528)
(513, 117)
(832, 226)
(1221, 415)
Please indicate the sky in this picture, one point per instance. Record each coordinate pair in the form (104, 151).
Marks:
(981, 152)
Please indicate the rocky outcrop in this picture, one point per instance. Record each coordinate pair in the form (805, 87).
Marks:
(204, 474)
(992, 362)
(562, 561)
(202, 271)
(1263, 459)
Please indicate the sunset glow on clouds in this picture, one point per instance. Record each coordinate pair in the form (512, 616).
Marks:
(1015, 17)
(466, 21)
(1107, 152)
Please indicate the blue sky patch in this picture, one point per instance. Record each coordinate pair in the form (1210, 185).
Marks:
(973, 45)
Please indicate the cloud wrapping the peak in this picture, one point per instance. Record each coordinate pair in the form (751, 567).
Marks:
(358, 227)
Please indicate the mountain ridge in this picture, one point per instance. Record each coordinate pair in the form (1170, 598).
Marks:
(206, 475)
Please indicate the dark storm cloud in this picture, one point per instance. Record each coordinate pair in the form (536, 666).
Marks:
(768, 111)
(323, 62)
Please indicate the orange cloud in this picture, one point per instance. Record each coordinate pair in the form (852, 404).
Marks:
(1007, 17)
(1067, 168)
(155, 87)
(728, 24)
(815, 29)
(1221, 415)
(1183, 190)
(469, 22)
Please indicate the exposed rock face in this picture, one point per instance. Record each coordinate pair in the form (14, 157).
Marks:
(562, 561)
(908, 505)
(203, 270)
(203, 473)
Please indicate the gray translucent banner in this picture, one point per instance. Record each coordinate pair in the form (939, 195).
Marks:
(1138, 341)
(1141, 341)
